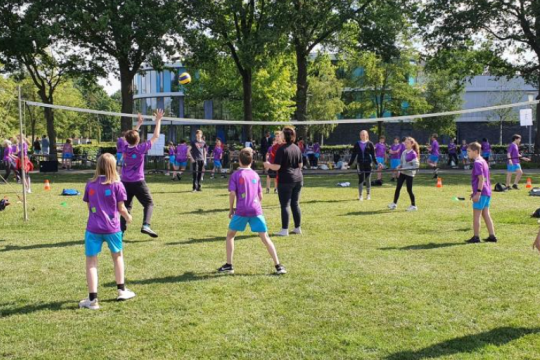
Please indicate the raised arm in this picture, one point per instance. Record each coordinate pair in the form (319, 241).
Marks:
(159, 115)
(139, 122)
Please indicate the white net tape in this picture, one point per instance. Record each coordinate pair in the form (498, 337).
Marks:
(183, 121)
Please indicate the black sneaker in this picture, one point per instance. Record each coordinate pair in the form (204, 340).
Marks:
(473, 240)
(491, 238)
(178, 177)
(148, 231)
(280, 269)
(393, 179)
(226, 269)
(173, 178)
(515, 187)
(275, 191)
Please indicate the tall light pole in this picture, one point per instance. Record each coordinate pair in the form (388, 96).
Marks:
(530, 97)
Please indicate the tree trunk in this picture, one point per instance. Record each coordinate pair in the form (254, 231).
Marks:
(126, 88)
(501, 132)
(248, 108)
(379, 128)
(301, 89)
(51, 131)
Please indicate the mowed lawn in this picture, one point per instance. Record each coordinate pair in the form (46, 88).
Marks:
(364, 282)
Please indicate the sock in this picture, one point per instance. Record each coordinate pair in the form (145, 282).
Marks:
(121, 287)
(92, 296)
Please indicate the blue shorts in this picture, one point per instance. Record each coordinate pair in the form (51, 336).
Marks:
(394, 163)
(67, 156)
(464, 155)
(256, 223)
(483, 203)
(486, 155)
(434, 158)
(180, 163)
(317, 155)
(172, 159)
(93, 242)
(380, 160)
(217, 163)
(119, 157)
(513, 168)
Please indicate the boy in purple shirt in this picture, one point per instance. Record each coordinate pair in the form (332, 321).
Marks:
(217, 155)
(380, 154)
(464, 155)
(452, 153)
(133, 172)
(395, 157)
(105, 195)
(486, 149)
(245, 187)
(180, 160)
(120, 145)
(434, 154)
(481, 193)
(514, 165)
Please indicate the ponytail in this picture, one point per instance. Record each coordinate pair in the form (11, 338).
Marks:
(415, 145)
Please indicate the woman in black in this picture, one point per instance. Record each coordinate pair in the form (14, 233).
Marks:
(364, 151)
(288, 164)
(197, 154)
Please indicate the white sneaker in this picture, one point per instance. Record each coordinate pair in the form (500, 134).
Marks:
(283, 232)
(369, 197)
(392, 206)
(297, 231)
(360, 198)
(87, 304)
(412, 208)
(29, 191)
(167, 174)
(125, 295)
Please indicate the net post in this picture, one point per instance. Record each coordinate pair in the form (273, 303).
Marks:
(21, 158)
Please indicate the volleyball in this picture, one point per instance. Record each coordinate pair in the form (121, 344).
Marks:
(184, 78)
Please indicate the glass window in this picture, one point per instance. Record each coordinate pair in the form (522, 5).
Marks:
(167, 107)
(147, 81)
(160, 103)
(153, 82)
(167, 81)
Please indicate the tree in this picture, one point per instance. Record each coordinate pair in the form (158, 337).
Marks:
(324, 98)
(507, 93)
(132, 32)
(30, 44)
(8, 107)
(382, 88)
(504, 27)
(248, 30)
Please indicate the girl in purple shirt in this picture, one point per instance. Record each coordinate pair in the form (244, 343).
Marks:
(217, 155)
(105, 195)
(380, 154)
(434, 154)
(452, 153)
(464, 156)
(395, 157)
(171, 149)
(514, 165)
(180, 160)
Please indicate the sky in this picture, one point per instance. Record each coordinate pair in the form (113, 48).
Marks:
(110, 84)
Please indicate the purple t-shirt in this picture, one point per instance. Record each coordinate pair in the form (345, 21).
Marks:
(171, 150)
(410, 156)
(513, 150)
(133, 168)
(464, 147)
(247, 186)
(485, 147)
(452, 148)
(181, 153)
(7, 153)
(121, 143)
(24, 147)
(434, 148)
(316, 148)
(362, 145)
(380, 150)
(395, 147)
(217, 153)
(103, 199)
(481, 167)
(67, 148)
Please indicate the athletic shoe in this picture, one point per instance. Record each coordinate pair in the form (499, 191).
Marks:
(515, 187)
(491, 238)
(412, 208)
(361, 198)
(392, 206)
(212, 177)
(368, 197)
(280, 269)
(507, 188)
(194, 190)
(283, 232)
(29, 191)
(473, 240)
(173, 178)
(124, 295)
(297, 231)
(267, 190)
(146, 230)
(275, 191)
(226, 269)
(87, 304)
(199, 189)
(167, 174)
(179, 177)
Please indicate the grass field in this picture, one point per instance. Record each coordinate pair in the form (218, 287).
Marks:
(363, 282)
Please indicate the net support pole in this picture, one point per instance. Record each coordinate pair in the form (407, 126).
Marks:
(21, 157)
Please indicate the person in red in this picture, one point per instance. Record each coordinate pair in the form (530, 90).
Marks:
(28, 166)
(270, 156)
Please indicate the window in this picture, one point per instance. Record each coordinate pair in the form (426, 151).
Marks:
(167, 81)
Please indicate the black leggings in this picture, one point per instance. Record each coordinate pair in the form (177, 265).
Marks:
(404, 178)
(452, 157)
(10, 166)
(289, 195)
(197, 167)
(140, 190)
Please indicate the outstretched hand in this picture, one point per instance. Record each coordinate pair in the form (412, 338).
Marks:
(139, 119)
(159, 114)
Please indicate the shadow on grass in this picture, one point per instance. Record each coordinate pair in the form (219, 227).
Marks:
(57, 245)
(325, 201)
(466, 344)
(28, 309)
(428, 246)
(367, 212)
(171, 192)
(185, 277)
(211, 239)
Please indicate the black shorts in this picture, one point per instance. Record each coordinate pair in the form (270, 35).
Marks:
(272, 174)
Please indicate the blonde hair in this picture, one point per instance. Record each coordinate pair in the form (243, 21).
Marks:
(106, 166)
(475, 146)
(6, 143)
(415, 145)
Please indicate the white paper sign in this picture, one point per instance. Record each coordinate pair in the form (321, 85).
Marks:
(157, 148)
(526, 117)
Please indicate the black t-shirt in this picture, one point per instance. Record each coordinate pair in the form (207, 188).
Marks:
(290, 158)
(197, 150)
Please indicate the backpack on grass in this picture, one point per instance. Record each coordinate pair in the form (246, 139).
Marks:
(70, 192)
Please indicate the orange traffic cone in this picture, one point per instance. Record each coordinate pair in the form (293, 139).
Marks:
(439, 182)
(47, 185)
(529, 183)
